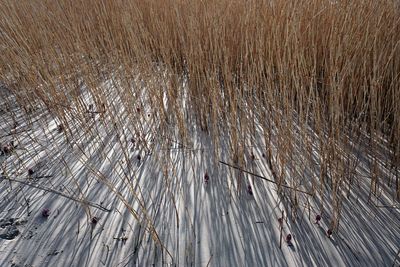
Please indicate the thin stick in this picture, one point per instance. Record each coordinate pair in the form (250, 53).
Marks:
(261, 177)
(209, 261)
(44, 188)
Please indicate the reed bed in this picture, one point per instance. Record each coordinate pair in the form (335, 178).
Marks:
(317, 81)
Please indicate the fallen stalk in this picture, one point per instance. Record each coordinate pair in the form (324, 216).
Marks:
(44, 188)
(263, 178)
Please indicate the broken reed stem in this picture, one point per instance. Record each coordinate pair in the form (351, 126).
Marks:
(263, 178)
(44, 188)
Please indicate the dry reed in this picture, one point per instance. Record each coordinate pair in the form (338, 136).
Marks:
(320, 78)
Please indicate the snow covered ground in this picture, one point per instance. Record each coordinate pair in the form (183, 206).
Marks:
(114, 202)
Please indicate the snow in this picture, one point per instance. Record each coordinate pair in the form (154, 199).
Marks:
(158, 210)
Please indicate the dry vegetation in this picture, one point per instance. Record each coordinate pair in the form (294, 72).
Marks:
(318, 80)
